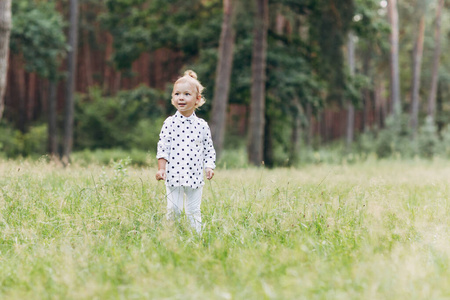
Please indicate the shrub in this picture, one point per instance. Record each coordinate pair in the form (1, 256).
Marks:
(443, 147)
(145, 135)
(428, 139)
(124, 121)
(14, 143)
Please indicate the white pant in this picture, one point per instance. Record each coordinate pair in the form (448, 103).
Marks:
(175, 197)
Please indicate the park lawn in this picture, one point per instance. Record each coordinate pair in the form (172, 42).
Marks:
(374, 230)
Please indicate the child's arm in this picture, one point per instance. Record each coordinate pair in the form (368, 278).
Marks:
(209, 154)
(163, 151)
(161, 174)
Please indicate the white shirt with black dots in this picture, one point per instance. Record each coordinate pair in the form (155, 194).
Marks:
(187, 146)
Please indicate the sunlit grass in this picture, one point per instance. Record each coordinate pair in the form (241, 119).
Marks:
(365, 231)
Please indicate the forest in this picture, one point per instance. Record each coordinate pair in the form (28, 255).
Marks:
(287, 81)
(331, 123)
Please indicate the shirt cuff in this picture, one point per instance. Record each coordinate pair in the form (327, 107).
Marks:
(210, 165)
(162, 155)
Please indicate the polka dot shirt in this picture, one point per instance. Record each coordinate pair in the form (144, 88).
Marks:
(187, 146)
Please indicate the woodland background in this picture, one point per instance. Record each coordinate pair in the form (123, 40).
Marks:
(287, 81)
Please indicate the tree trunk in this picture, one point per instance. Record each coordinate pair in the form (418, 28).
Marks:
(21, 95)
(417, 62)
(368, 104)
(440, 123)
(268, 154)
(257, 105)
(310, 128)
(52, 132)
(5, 31)
(70, 85)
(394, 66)
(295, 134)
(31, 96)
(223, 76)
(384, 103)
(107, 72)
(437, 53)
(87, 61)
(380, 102)
(350, 107)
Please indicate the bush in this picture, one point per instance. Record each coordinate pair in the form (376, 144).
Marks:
(428, 139)
(395, 139)
(10, 142)
(443, 147)
(145, 135)
(130, 119)
(35, 141)
(14, 143)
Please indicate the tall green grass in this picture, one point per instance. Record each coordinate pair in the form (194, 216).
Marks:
(366, 231)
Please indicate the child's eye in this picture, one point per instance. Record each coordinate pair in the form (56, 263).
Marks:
(176, 94)
(187, 94)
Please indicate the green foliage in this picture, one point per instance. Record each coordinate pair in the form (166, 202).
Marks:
(354, 85)
(371, 27)
(14, 143)
(444, 146)
(132, 119)
(139, 26)
(38, 34)
(397, 140)
(329, 25)
(428, 139)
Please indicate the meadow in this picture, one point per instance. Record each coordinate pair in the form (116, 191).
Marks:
(371, 230)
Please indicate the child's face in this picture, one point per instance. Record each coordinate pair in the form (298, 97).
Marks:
(185, 97)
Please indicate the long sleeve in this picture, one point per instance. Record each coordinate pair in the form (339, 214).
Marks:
(186, 145)
(165, 138)
(209, 153)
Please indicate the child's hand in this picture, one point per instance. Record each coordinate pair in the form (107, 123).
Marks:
(161, 174)
(209, 173)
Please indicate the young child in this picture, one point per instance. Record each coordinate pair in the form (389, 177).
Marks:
(185, 149)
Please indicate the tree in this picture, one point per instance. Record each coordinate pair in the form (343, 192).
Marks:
(372, 29)
(223, 74)
(38, 36)
(350, 106)
(417, 62)
(394, 65)
(437, 53)
(330, 23)
(257, 105)
(70, 84)
(139, 26)
(5, 30)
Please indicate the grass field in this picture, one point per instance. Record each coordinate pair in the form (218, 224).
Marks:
(365, 231)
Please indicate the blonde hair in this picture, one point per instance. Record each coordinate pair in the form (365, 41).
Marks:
(190, 77)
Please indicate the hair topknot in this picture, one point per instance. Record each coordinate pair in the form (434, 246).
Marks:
(190, 73)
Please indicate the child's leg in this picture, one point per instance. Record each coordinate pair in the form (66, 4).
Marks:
(175, 197)
(193, 202)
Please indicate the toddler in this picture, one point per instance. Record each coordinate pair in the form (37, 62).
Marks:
(185, 149)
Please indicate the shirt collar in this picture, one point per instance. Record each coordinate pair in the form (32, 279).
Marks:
(182, 118)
